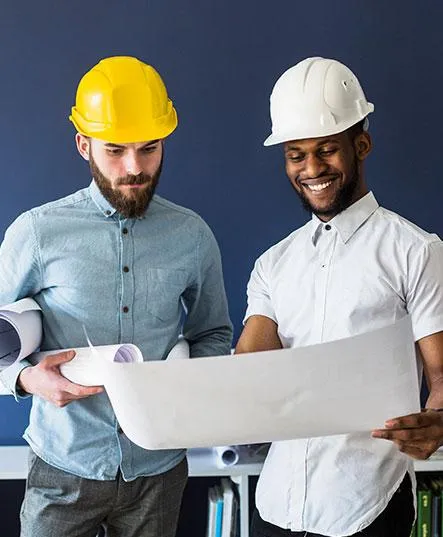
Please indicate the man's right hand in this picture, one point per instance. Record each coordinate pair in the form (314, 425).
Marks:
(46, 381)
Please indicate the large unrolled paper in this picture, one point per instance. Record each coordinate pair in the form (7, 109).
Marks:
(338, 387)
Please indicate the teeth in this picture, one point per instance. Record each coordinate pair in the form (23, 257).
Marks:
(317, 188)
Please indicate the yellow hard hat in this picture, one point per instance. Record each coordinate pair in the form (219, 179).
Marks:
(123, 100)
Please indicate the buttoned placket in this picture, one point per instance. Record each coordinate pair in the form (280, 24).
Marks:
(325, 242)
(325, 246)
(126, 232)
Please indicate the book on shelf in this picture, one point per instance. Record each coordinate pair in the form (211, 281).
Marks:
(429, 521)
(215, 512)
(424, 499)
(230, 508)
(223, 510)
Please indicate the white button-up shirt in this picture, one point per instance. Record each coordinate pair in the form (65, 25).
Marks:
(364, 269)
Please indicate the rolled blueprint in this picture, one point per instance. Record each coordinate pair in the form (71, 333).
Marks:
(226, 455)
(86, 366)
(20, 330)
(21, 335)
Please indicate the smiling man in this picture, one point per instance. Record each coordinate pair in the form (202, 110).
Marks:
(354, 267)
(133, 268)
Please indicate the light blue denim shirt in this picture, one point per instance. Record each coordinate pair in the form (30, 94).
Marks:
(140, 281)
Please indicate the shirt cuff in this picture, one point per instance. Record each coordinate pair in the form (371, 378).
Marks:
(423, 328)
(9, 377)
(260, 308)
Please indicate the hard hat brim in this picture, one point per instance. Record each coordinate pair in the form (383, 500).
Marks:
(308, 133)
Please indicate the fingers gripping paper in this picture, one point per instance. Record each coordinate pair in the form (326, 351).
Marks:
(344, 386)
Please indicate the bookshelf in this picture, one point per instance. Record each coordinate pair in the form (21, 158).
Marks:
(13, 465)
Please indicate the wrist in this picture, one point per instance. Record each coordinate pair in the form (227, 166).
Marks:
(22, 384)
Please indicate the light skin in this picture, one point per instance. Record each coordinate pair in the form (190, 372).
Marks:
(116, 163)
(327, 163)
(121, 160)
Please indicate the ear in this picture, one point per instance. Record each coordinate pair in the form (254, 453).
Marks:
(362, 145)
(83, 145)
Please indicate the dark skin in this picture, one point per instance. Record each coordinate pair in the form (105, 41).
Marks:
(319, 168)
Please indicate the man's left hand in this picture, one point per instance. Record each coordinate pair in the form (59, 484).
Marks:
(417, 435)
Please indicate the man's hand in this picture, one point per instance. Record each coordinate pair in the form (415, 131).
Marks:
(46, 381)
(417, 435)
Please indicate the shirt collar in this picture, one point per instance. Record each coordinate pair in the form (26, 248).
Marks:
(348, 221)
(102, 203)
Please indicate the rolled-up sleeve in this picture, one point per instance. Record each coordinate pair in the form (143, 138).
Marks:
(20, 276)
(259, 299)
(424, 297)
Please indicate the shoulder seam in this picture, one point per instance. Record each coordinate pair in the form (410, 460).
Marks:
(174, 207)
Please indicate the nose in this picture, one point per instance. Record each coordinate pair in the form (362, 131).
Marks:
(132, 164)
(314, 166)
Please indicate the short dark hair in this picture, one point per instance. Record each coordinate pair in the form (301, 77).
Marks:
(356, 129)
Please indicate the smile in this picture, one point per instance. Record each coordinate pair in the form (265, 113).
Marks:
(318, 187)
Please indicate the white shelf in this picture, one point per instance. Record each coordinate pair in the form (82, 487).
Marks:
(13, 464)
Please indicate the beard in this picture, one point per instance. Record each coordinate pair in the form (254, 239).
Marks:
(135, 204)
(343, 198)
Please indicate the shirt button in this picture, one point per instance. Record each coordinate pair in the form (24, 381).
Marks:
(108, 212)
(125, 231)
(327, 227)
(125, 309)
(125, 269)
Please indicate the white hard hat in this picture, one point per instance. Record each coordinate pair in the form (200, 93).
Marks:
(317, 97)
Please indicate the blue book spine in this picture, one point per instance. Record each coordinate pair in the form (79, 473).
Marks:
(218, 517)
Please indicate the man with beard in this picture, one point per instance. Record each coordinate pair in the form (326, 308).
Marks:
(354, 267)
(131, 267)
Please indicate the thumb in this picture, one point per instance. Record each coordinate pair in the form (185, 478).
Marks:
(60, 358)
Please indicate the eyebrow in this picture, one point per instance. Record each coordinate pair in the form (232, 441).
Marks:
(323, 142)
(119, 146)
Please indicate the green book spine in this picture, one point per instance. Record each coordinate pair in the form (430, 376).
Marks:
(424, 502)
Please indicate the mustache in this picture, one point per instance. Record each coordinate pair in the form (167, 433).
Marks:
(326, 173)
(139, 179)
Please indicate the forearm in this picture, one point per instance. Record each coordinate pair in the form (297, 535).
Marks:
(214, 342)
(435, 398)
(259, 334)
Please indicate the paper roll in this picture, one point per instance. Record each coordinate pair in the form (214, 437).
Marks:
(20, 330)
(226, 455)
(87, 365)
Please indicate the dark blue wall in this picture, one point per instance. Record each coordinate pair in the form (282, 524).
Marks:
(220, 60)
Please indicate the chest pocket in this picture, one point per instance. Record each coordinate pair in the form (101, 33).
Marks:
(164, 290)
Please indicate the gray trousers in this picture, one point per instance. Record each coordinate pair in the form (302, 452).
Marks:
(60, 504)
